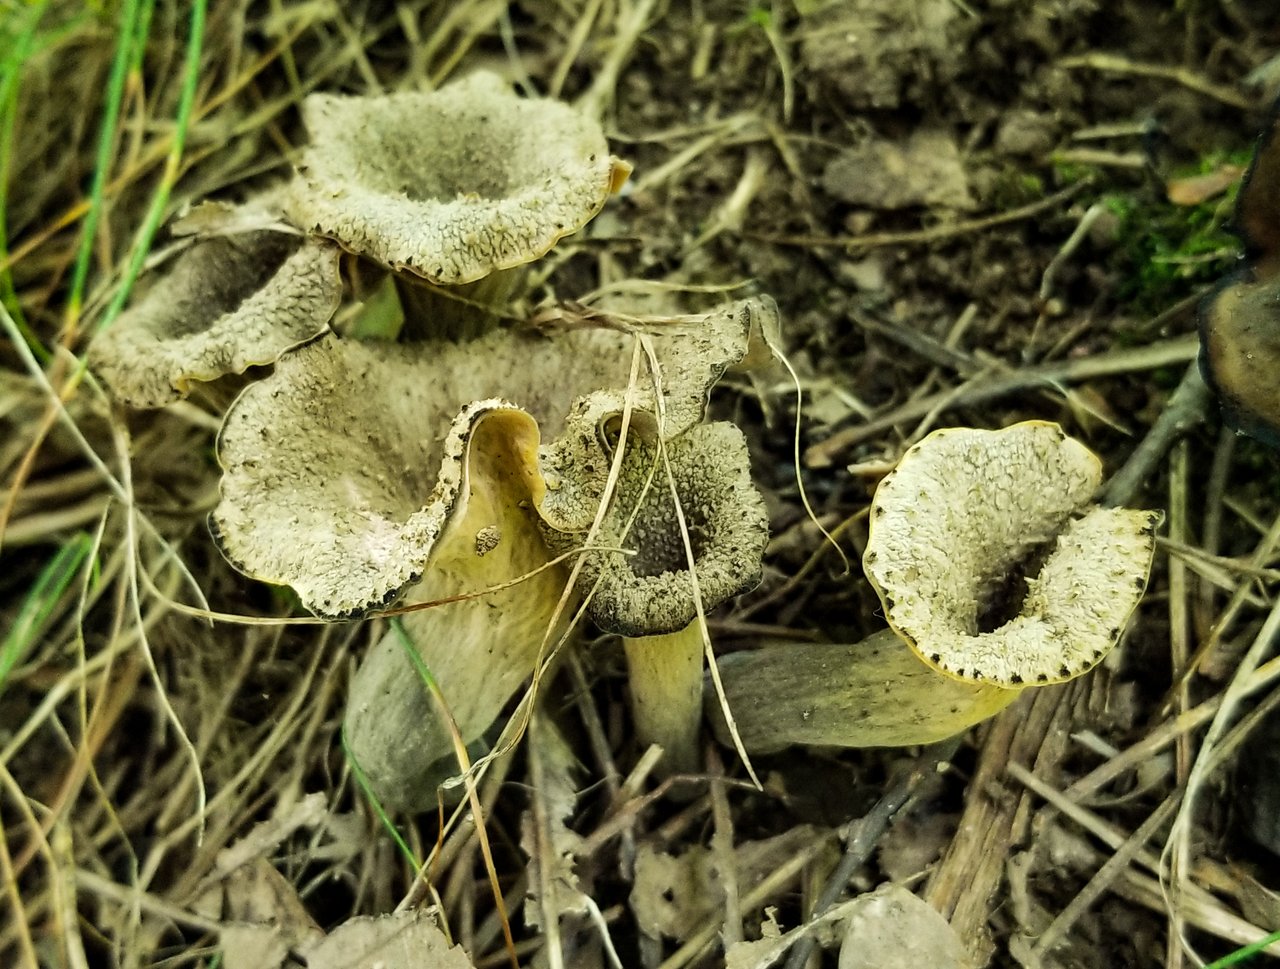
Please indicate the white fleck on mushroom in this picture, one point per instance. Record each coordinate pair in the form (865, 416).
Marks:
(452, 186)
(995, 570)
(230, 301)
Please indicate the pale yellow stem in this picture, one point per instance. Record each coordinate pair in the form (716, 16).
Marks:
(666, 694)
(454, 312)
(876, 693)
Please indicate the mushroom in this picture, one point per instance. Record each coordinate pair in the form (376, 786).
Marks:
(995, 572)
(360, 473)
(334, 481)
(343, 468)
(480, 649)
(233, 300)
(1240, 320)
(1240, 353)
(450, 188)
(655, 597)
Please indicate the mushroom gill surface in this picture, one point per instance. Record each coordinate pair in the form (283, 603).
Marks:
(875, 693)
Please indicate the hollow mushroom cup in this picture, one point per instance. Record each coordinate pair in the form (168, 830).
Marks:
(996, 573)
(363, 474)
(690, 528)
(244, 291)
(452, 190)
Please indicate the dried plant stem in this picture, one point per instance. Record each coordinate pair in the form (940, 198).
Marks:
(1231, 699)
(869, 830)
(766, 889)
(947, 230)
(984, 388)
(1186, 409)
(666, 694)
(1105, 876)
(1192, 81)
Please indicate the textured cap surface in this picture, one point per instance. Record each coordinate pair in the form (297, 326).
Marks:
(450, 185)
(230, 302)
(343, 466)
(649, 592)
(692, 354)
(966, 516)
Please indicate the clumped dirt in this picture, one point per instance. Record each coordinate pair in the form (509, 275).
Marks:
(962, 210)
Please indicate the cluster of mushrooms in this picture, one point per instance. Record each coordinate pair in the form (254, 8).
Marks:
(508, 480)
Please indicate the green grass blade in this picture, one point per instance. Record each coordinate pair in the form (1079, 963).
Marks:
(41, 600)
(19, 49)
(1245, 952)
(173, 163)
(362, 781)
(127, 40)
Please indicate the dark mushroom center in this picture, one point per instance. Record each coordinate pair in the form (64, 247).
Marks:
(656, 538)
(1000, 598)
(231, 269)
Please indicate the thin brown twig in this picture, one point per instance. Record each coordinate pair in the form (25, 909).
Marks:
(1115, 64)
(937, 233)
(1111, 363)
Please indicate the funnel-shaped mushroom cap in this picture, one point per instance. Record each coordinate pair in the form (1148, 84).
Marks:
(649, 593)
(692, 354)
(454, 184)
(230, 302)
(990, 563)
(344, 465)
(1240, 320)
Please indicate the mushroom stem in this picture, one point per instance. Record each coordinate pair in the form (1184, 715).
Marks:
(459, 313)
(875, 693)
(666, 694)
